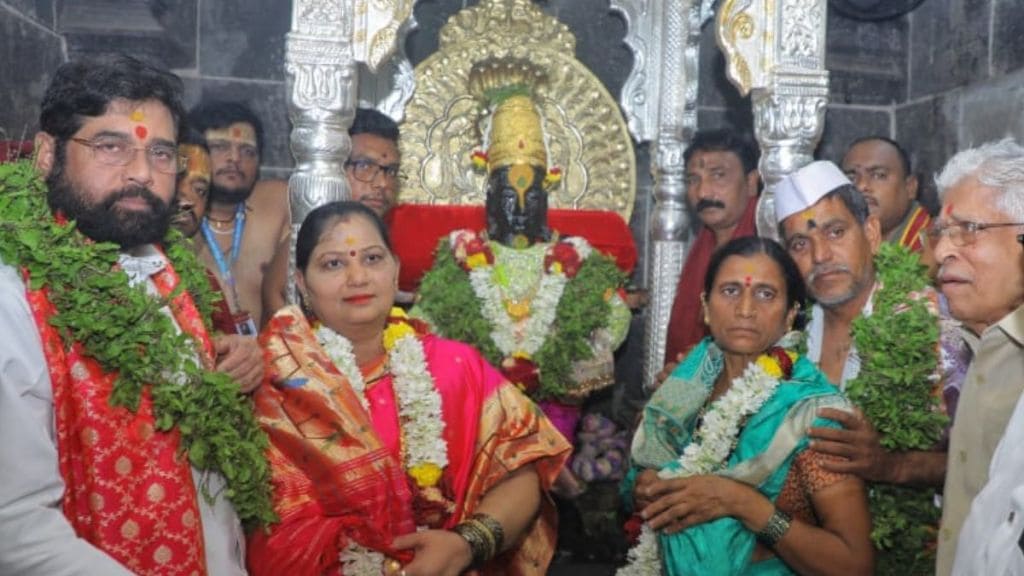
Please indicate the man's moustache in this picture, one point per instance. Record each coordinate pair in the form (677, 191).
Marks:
(135, 192)
(826, 269)
(705, 203)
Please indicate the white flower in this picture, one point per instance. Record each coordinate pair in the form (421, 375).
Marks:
(643, 559)
(359, 561)
(543, 308)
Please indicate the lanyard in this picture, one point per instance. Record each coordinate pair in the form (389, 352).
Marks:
(236, 247)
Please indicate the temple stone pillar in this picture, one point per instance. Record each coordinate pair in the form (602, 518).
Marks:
(660, 102)
(328, 39)
(775, 52)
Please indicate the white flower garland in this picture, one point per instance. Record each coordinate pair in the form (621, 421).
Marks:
(419, 410)
(543, 309)
(419, 404)
(712, 443)
(339, 350)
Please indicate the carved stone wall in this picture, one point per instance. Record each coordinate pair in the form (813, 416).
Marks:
(966, 79)
(231, 49)
(29, 50)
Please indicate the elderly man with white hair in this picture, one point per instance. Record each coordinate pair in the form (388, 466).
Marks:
(977, 246)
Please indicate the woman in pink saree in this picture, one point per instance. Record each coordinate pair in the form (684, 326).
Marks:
(393, 451)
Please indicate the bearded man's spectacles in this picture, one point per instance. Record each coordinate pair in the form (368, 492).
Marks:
(114, 151)
(963, 234)
(367, 170)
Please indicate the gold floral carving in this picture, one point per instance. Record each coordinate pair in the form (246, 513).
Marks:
(444, 124)
(737, 29)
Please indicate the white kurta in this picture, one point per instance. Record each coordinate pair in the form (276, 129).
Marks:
(35, 537)
(990, 537)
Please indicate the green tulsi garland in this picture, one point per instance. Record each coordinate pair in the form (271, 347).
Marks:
(123, 328)
(448, 300)
(898, 348)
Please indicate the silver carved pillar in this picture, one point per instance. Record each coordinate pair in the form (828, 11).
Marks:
(660, 101)
(775, 51)
(327, 40)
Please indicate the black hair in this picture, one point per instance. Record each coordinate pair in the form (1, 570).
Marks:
(904, 157)
(317, 222)
(796, 290)
(722, 140)
(370, 121)
(219, 114)
(85, 88)
(190, 135)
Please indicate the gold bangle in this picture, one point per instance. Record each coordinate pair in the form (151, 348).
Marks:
(480, 546)
(493, 527)
(485, 536)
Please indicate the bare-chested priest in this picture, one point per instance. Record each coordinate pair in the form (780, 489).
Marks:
(247, 220)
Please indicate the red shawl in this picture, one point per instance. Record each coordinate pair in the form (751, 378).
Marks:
(686, 325)
(128, 489)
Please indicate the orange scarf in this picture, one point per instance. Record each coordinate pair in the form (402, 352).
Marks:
(910, 232)
(128, 489)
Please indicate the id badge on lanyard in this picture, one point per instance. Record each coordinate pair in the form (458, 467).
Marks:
(244, 324)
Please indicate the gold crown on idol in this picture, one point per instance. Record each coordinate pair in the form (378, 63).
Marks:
(516, 135)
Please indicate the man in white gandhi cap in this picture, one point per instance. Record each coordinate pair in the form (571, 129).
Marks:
(827, 228)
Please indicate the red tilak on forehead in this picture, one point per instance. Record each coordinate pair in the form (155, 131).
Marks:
(236, 132)
(141, 132)
(352, 253)
(746, 281)
(949, 209)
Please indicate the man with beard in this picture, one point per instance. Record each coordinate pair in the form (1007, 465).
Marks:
(880, 168)
(721, 188)
(830, 233)
(103, 354)
(246, 221)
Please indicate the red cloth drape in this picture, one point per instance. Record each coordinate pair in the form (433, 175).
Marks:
(417, 228)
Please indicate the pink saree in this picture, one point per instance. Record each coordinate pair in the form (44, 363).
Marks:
(337, 470)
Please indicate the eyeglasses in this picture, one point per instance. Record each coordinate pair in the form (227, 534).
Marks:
(367, 170)
(163, 158)
(221, 148)
(963, 234)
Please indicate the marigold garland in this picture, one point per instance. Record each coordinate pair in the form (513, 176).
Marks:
(583, 308)
(125, 331)
(898, 348)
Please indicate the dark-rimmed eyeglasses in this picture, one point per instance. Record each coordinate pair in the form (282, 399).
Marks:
(367, 170)
(163, 158)
(963, 234)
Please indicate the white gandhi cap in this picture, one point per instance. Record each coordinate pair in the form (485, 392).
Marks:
(803, 188)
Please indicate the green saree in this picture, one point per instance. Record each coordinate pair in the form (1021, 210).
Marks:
(764, 450)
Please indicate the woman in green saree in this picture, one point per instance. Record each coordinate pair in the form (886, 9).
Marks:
(722, 475)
